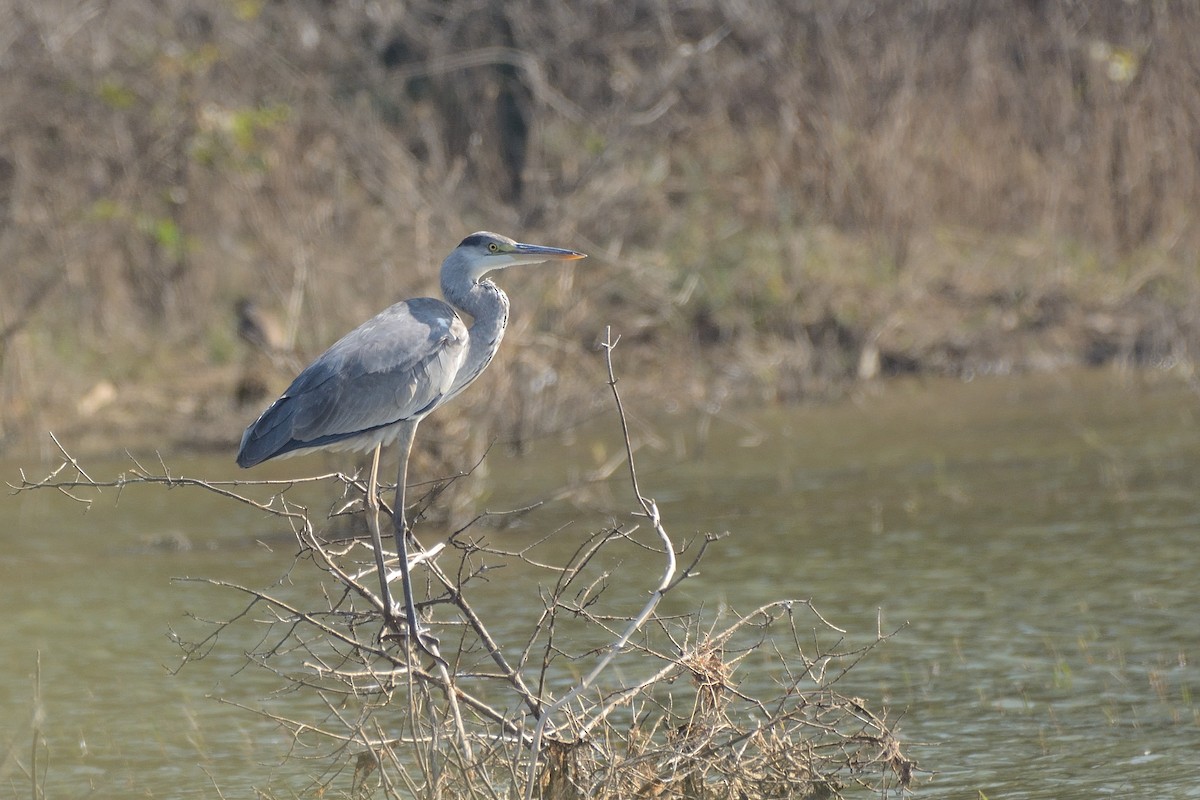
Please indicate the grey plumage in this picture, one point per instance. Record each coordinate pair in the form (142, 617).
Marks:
(398, 365)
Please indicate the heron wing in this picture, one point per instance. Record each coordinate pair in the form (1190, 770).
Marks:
(396, 366)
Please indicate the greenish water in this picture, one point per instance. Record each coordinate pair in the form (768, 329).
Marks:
(1037, 540)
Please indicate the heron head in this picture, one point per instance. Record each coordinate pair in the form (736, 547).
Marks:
(483, 252)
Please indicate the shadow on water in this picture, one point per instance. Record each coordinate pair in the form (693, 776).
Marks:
(1037, 540)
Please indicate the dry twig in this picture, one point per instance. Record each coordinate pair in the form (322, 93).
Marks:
(674, 723)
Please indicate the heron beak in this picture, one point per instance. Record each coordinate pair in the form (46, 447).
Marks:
(542, 253)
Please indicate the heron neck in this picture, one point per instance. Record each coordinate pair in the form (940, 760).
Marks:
(488, 307)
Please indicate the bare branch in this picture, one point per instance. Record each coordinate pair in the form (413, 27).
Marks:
(481, 720)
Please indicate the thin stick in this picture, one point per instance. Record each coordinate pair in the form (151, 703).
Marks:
(650, 509)
(36, 739)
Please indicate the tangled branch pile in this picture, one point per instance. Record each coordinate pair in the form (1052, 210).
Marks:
(680, 721)
(672, 706)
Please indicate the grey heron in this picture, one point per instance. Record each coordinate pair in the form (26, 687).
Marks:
(376, 383)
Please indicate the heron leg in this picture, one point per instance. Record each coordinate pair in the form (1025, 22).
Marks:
(372, 501)
(400, 518)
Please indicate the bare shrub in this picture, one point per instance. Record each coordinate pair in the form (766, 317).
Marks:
(745, 706)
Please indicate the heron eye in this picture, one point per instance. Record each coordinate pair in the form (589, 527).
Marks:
(493, 248)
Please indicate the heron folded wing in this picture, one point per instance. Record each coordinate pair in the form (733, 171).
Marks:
(394, 367)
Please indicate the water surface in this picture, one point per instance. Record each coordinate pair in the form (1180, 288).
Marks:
(1035, 541)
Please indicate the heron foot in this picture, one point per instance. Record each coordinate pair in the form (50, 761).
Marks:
(400, 629)
(427, 642)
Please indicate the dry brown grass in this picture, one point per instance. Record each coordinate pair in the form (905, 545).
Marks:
(774, 199)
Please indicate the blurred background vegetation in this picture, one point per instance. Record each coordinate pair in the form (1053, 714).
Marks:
(779, 198)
